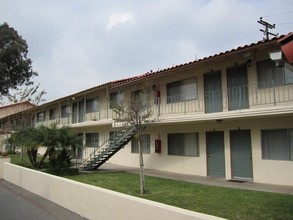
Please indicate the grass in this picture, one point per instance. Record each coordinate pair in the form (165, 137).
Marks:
(219, 201)
(15, 159)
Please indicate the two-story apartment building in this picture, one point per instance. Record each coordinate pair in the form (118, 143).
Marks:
(229, 115)
(8, 110)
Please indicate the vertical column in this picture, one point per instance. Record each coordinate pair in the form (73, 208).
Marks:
(227, 154)
(225, 89)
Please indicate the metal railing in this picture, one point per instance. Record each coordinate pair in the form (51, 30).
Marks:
(274, 93)
(120, 131)
(269, 93)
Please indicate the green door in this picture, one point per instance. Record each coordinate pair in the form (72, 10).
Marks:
(237, 88)
(215, 153)
(241, 156)
(213, 92)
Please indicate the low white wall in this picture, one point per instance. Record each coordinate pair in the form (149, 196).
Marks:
(2, 160)
(93, 202)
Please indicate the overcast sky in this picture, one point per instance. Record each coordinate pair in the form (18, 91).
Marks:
(78, 44)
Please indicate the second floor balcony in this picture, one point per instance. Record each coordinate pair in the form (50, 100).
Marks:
(266, 95)
(259, 98)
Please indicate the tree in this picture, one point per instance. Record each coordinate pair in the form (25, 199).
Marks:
(59, 142)
(16, 124)
(28, 138)
(136, 113)
(29, 93)
(15, 66)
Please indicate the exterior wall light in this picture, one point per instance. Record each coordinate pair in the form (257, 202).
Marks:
(277, 56)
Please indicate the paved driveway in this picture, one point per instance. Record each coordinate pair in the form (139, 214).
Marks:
(19, 204)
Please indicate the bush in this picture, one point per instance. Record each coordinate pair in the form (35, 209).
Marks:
(63, 171)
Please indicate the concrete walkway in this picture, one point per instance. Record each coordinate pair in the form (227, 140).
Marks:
(211, 181)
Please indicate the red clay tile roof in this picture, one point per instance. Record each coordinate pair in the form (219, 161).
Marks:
(121, 82)
(131, 79)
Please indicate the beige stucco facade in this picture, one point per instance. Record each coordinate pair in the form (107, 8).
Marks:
(266, 108)
(14, 108)
(264, 171)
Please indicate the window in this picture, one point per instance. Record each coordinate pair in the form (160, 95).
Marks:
(92, 105)
(183, 90)
(41, 116)
(92, 139)
(185, 144)
(65, 110)
(269, 75)
(277, 144)
(52, 114)
(146, 144)
(115, 99)
(136, 96)
(78, 147)
(74, 112)
(140, 98)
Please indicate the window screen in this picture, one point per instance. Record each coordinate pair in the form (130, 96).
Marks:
(146, 145)
(183, 90)
(277, 144)
(185, 144)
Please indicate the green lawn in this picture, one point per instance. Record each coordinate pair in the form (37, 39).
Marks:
(223, 202)
(15, 159)
(219, 201)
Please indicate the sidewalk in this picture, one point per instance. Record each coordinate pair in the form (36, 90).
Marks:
(211, 181)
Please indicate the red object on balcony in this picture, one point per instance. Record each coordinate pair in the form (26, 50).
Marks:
(287, 47)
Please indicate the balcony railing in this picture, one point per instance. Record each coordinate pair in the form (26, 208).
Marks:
(267, 94)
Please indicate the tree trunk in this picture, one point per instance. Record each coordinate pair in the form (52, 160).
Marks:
(141, 169)
(21, 154)
(32, 155)
(43, 158)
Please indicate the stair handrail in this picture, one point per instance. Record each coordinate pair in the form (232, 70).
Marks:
(97, 150)
(119, 121)
(94, 153)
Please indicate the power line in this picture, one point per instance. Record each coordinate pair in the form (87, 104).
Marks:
(267, 26)
(277, 14)
(284, 23)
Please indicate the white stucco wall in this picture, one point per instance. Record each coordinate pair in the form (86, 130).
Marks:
(163, 161)
(2, 161)
(94, 202)
(264, 171)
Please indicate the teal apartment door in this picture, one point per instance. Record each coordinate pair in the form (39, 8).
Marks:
(213, 92)
(215, 153)
(241, 155)
(237, 88)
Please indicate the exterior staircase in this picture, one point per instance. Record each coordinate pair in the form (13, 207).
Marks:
(106, 150)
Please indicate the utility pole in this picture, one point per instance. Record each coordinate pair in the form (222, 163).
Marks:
(267, 27)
